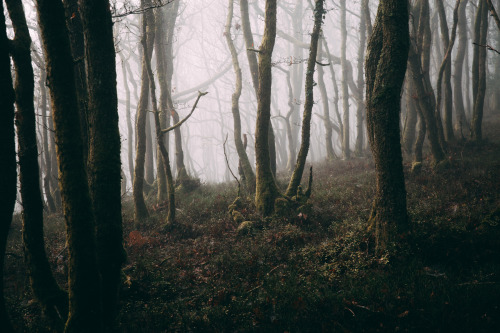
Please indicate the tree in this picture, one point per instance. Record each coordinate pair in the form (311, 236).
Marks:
(479, 69)
(459, 68)
(346, 150)
(141, 212)
(266, 189)
(306, 122)
(53, 300)
(387, 53)
(8, 179)
(246, 168)
(83, 284)
(104, 162)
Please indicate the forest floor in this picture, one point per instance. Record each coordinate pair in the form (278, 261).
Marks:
(311, 271)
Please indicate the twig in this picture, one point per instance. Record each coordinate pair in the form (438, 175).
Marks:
(489, 47)
(187, 117)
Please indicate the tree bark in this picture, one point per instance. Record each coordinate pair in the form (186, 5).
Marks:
(266, 189)
(104, 162)
(360, 103)
(461, 119)
(52, 299)
(84, 285)
(479, 70)
(309, 102)
(346, 150)
(8, 167)
(244, 162)
(330, 153)
(141, 212)
(387, 55)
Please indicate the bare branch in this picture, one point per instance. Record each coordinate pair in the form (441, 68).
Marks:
(187, 117)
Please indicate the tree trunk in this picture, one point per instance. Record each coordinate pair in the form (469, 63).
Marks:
(104, 161)
(130, 131)
(346, 150)
(387, 55)
(461, 119)
(52, 299)
(330, 154)
(360, 103)
(8, 167)
(246, 168)
(74, 24)
(306, 121)
(159, 135)
(160, 38)
(266, 189)
(479, 70)
(84, 285)
(141, 212)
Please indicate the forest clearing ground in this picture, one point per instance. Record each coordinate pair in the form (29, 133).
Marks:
(314, 271)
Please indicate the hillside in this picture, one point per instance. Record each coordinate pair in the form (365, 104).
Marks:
(313, 270)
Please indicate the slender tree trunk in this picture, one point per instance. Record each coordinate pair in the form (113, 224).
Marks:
(254, 71)
(306, 121)
(84, 285)
(266, 189)
(51, 298)
(460, 120)
(159, 135)
(330, 154)
(160, 39)
(346, 150)
(448, 45)
(360, 103)
(479, 70)
(8, 177)
(45, 139)
(104, 160)
(385, 70)
(130, 131)
(149, 169)
(141, 212)
(244, 162)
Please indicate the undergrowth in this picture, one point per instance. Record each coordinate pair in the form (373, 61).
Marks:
(306, 272)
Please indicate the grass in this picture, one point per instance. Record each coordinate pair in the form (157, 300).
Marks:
(307, 272)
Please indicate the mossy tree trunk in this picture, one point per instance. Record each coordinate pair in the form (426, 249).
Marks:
(479, 69)
(74, 24)
(266, 189)
(309, 102)
(85, 311)
(8, 167)
(52, 299)
(141, 212)
(244, 162)
(254, 71)
(387, 54)
(104, 163)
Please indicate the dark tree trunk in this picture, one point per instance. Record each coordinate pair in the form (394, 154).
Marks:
(460, 120)
(479, 69)
(8, 179)
(360, 103)
(84, 285)
(104, 161)
(52, 299)
(387, 54)
(346, 150)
